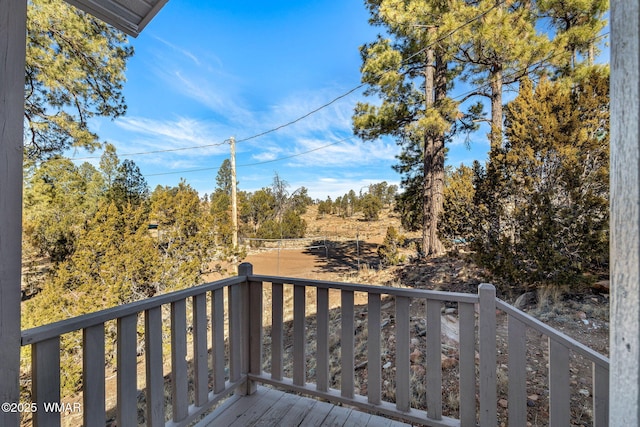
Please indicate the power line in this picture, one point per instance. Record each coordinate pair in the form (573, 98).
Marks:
(327, 104)
(155, 151)
(522, 71)
(455, 30)
(323, 106)
(298, 154)
(304, 116)
(349, 92)
(256, 163)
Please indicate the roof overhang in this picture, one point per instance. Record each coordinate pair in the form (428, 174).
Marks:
(129, 16)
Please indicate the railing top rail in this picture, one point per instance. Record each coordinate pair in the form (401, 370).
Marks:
(44, 332)
(372, 289)
(556, 335)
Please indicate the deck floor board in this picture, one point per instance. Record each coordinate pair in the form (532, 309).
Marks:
(270, 408)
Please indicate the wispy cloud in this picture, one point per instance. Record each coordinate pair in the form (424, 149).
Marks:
(181, 133)
(201, 78)
(350, 153)
(184, 52)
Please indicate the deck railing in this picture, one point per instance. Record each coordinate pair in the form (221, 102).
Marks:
(234, 361)
(227, 375)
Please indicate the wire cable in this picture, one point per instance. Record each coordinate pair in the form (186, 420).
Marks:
(524, 71)
(334, 100)
(257, 163)
(323, 106)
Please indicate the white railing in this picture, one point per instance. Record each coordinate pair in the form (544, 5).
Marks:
(241, 351)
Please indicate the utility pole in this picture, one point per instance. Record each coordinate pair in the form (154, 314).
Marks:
(234, 197)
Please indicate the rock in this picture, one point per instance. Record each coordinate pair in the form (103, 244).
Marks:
(581, 315)
(533, 397)
(386, 365)
(526, 300)
(503, 403)
(449, 362)
(450, 311)
(601, 286)
(415, 356)
(418, 370)
(584, 392)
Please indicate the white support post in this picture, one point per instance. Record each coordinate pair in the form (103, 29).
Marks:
(625, 214)
(13, 17)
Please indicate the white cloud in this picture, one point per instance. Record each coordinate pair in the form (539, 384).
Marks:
(350, 153)
(182, 51)
(266, 156)
(181, 133)
(338, 187)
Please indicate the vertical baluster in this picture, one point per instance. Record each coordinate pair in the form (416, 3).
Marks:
(467, 364)
(277, 320)
(235, 333)
(299, 358)
(322, 353)
(179, 380)
(200, 349)
(488, 358)
(517, 372)
(45, 368)
(217, 340)
(127, 410)
(93, 392)
(347, 344)
(255, 333)
(374, 373)
(434, 360)
(600, 396)
(559, 395)
(153, 366)
(244, 269)
(402, 354)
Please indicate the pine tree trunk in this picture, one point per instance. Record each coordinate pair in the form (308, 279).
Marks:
(437, 164)
(495, 137)
(496, 107)
(427, 158)
(433, 160)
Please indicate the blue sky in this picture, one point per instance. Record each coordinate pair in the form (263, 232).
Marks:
(206, 71)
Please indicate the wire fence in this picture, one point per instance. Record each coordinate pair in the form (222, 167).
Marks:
(303, 243)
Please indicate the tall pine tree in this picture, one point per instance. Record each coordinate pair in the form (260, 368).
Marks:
(410, 75)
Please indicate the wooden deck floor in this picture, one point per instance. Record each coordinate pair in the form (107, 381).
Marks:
(270, 407)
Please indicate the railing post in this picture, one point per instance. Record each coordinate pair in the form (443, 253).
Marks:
(488, 359)
(45, 368)
(252, 330)
(12, 70)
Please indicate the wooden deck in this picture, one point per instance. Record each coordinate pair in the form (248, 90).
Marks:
(270, 407)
